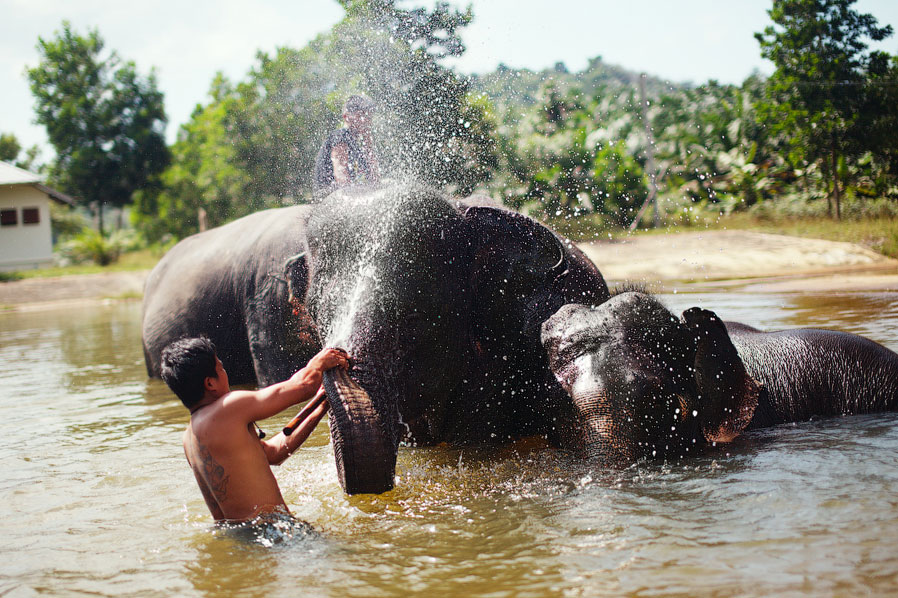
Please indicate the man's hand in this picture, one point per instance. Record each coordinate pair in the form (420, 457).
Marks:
(330, 358)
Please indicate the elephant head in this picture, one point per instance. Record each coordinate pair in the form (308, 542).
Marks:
(435, 303)
(645, 383)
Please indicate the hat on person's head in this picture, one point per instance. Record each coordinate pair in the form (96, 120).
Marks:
(358, 103)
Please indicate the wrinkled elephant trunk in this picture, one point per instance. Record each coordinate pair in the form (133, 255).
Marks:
(366, 461)
(600, 438)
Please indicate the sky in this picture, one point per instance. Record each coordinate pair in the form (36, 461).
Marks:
(188, 41)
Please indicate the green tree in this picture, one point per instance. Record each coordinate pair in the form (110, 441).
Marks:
(104, 120)
(204, 183)
(821, 80)
(11, 151)
(9, 147)
(879, 127)
(566, 161)
(619, 184)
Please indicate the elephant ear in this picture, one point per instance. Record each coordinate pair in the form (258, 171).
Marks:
(299, 323)
(727, 394)
(296, 272)
(516, 261)
(515, 240)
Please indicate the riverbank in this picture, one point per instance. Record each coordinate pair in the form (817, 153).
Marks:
(59, 291)
(690, 261)
(757, 262)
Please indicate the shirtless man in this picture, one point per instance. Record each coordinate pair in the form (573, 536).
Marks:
(230, 462)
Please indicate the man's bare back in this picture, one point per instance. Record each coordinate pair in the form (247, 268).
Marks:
(230, 463)
(230, 466)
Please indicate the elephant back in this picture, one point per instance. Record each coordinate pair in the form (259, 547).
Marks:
(205, 284)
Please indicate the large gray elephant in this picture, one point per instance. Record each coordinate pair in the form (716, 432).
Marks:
(439, 304)
(231, 284)
(665, 386)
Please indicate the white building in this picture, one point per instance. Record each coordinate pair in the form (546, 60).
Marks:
(26, 240)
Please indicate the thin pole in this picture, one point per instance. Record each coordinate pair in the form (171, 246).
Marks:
(649, 155)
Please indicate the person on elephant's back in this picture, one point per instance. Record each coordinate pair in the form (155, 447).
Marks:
(230, 462)
(347, 155)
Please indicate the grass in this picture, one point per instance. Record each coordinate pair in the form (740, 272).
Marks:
(143, 259)
(878, 233)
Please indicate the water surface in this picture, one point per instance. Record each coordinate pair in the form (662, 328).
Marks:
(98, 499)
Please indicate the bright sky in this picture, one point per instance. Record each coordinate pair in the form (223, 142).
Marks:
(188, 41)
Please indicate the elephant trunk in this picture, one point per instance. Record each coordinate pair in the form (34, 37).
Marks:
(365, 456)
(601, 438)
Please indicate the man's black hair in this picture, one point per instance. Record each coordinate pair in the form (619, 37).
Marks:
(358, 103)
(186, 363)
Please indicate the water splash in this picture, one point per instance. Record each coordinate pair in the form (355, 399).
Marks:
(374, 239)
(365, 285)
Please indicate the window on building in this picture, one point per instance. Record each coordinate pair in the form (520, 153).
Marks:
(31, 216)
(9, 217)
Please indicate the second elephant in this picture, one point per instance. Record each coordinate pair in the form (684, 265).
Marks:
(655, 385)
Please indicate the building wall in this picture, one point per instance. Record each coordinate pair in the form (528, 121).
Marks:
(24, 246)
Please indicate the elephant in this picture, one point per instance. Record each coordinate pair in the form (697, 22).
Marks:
(439, 304)
(232, 284)
(664, 387)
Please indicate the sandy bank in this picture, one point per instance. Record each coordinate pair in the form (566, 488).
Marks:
(756, 262)
(38, 293)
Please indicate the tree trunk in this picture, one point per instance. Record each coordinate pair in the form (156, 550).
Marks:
(835, 161)
(100, 218)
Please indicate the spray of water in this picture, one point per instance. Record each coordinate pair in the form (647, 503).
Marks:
(365, 282)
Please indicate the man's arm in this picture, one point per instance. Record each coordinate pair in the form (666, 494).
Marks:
(278, 448)
(250, 406)
(367, 143)
(340, 160)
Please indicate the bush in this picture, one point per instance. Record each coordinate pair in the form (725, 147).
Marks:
(10, 276)
(90, 245)
(66, 222)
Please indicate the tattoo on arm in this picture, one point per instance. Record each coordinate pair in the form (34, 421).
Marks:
(214, 474)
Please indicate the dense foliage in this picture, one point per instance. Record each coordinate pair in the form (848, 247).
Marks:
(827, 93)
(823, 127)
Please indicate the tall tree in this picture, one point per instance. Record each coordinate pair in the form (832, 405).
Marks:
(105, 121)
(427, 125)
(819, 87)
(205, 181)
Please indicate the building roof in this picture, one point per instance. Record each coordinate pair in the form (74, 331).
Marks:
(13, 175)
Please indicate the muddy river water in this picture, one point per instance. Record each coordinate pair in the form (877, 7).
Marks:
(98, 500)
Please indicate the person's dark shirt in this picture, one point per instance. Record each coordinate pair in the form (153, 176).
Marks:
(358, 167)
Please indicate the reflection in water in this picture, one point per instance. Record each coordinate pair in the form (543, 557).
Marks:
(99, 500)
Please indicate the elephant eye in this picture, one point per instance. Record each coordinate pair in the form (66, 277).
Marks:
(580, 346)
